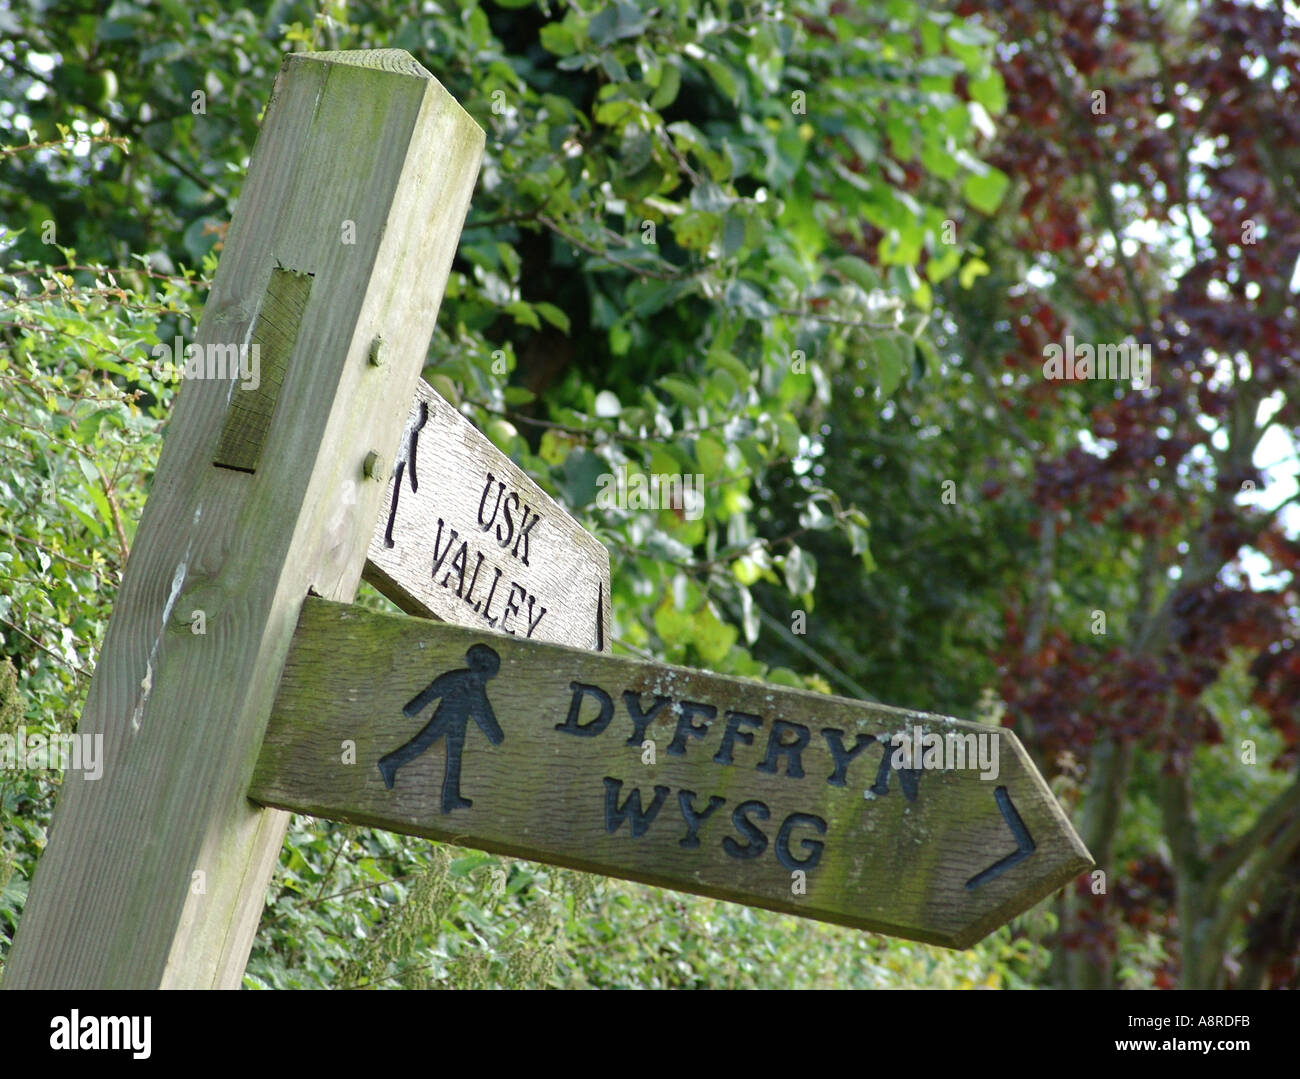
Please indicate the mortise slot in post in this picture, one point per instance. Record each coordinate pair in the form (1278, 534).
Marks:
(248, 419)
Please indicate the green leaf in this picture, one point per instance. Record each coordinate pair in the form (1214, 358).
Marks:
(733, 233)
(524, 314)
(862, 143)
(890, 362)
(990, 91)
(984, 192)
(669, 85)
(673, 626)
(84, 432)
(800, 571)
(859, 272)
(724, 77)
(789, 435)
(117, 30)
(558, 39)
(925, 357)
(712, 638)
(683, 391)
(635, 153)
(647, 297)
(859, 535)
(974, 268)
(579, 61)
(603, 27)
(554, 315)
(670, 457)
(791, 269)
(722, 387)
(970, 33)
(931, 36)
(940, 267)
(614, 70)
(502, 433)
(742, 374)
(695, 230)
(710, 198)
(783, 676)
(582, 472)
(93, 525)
(746, 298)
(936, 158)
(814, 517)
(616, 113)
(711, 454)
(922, 294)
(900, 133)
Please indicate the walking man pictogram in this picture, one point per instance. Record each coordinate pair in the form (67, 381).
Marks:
(464, 697)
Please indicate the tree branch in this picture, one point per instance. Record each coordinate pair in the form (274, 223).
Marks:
(1241, 848)
(1231, 907)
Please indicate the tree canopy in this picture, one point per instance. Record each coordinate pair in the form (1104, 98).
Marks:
(816, 255)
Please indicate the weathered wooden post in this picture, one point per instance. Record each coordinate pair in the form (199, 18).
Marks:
(334, 267)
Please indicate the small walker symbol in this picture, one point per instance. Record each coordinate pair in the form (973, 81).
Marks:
(464, 697)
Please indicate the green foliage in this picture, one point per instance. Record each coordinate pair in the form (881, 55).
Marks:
(355, 908)
(697, 229)
(80, 446)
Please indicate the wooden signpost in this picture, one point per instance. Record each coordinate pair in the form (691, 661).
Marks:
(266, 505)
(764, 795)
(469, 538)
(155, 874)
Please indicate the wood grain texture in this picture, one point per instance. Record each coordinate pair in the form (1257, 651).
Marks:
(471, 540)
(155, 875)
(944, 863)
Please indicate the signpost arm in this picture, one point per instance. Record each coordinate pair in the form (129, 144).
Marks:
(155, 873)
(798, 802)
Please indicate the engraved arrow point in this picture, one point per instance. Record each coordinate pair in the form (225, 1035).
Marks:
(1024, 843)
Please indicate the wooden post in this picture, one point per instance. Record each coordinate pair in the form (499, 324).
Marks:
(155, 874)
